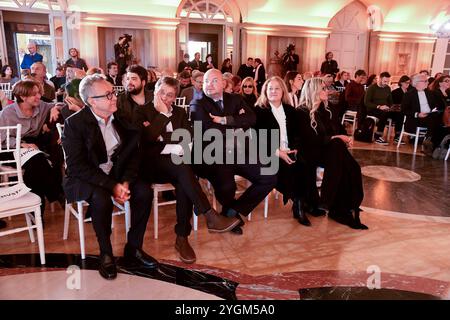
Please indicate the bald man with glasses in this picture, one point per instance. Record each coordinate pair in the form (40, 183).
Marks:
(101, 152)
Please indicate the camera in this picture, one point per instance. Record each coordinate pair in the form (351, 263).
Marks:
(129, 37)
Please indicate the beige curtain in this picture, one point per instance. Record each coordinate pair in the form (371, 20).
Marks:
(399, 58)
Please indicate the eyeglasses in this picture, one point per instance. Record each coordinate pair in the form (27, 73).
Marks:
(247, 86)
(108, 95)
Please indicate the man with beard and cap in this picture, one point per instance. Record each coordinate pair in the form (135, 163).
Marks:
(156, 117)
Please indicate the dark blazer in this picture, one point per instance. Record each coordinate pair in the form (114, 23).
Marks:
(196, 65)
(151, 144)
(266, 120)
(236, 111)
(329, 67)
(85, 150)
(118, 80)
(411, 106)
(441, 101)
(261, 77)
(233, 104)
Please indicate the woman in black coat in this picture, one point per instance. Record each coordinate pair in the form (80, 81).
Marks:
(322, 141)
(274, 113)
(248, 91)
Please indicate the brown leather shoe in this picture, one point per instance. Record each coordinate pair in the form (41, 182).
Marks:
(187, 254)
(219, 223)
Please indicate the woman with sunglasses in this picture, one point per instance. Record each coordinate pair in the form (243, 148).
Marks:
(248, 91)
(275, 113)
(323, 143)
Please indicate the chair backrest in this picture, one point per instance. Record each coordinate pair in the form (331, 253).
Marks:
(5, 86)
(119, 88)
(60, 129)
(10, 147)
(180, 101)
(8, 93)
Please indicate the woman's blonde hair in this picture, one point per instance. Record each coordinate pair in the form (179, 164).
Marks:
(252, 81)
(310, 98)
(263, 101)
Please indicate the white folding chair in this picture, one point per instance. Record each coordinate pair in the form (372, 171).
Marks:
(448, 154)
(237, 179)
(78, 213)
(350, 116)
(180, 101)
(420, 132)
(119, 88)
(27, 204)
(157, 188)
(5, 86)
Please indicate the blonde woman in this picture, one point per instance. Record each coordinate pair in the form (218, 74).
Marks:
(323, 143)
(275, 113)
(248, 91)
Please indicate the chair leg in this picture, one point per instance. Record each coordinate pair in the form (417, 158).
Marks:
(155, 213)
(81, 228)
(266, 207)
(400, 139)
(127, 216)
(66, 220)
(40, 233)
(389, 130)
(354, 127)
(195, 219)
(52, 207)
(30, 226)
(448, 153)
(416, 141)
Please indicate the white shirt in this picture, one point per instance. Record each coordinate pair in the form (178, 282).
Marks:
(111, 138)
(169, 126)
(280, 116)
(424, 106)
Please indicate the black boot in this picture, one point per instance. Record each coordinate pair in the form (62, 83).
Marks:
(356, 221)
(299, 213)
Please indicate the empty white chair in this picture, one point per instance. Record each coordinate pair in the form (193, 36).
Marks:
(420, 132)
(28, 204)
(78, 212)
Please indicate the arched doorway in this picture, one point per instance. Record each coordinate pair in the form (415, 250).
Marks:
(209, 27)
(349, 37)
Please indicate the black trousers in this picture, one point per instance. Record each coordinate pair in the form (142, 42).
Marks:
(101, 209)
(40, 177)
(382, 116)
(433, 123)
(342, 187)
(221, 177)
(188, 191)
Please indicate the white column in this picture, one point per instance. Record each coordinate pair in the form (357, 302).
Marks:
(440, 53)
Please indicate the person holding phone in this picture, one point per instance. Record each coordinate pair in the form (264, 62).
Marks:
(275, 113)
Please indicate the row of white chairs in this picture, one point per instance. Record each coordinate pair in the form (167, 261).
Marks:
(351, 116)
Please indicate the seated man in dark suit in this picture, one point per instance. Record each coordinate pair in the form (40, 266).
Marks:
(420, 108)
(157, 118)
(113, 74)
(102, 162)
(222, 111)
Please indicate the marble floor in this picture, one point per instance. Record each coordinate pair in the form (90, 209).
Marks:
(405, 252)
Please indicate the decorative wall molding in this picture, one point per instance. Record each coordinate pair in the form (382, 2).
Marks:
(404, 37)
(287, 31)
